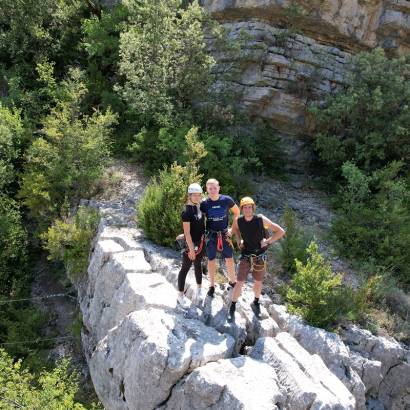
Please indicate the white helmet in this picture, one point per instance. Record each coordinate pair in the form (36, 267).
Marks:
(194, 189)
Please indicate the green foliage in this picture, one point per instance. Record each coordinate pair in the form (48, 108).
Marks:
(13, 242)
(22, 322)
(294, 243)
(11, 136)
(363, 138)
(318, 295)
(69, 239)
(163, 58)
(52, 390)
(314, 289)
(101, 43)
(374, 218)
(368, 123)
(229, 157)
(64, 162)
(159, 212)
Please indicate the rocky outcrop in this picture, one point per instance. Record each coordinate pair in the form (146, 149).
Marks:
(144, 352)
(352, 25)
(373, 368)
(297, 50)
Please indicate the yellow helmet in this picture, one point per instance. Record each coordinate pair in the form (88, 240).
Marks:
(247, 200)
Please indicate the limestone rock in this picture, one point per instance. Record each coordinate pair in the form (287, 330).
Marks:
(308, 381)
(239, 383)
(325, 344)
(138, 362)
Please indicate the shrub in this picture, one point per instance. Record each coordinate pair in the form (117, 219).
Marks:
(52, 390)
(164, 59)
(231, 158)
(159, 212)
(368, 123)
(11, 135)
(66, 160)
(314, 289)
(294, 243)
(13, 243)
(319, 296)
(374, 218)
(69, 239)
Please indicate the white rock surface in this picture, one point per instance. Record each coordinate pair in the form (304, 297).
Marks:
(138, 362)
(239, 383)
(308, 381)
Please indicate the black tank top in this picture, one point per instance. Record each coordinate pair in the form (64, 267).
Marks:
(252, 233)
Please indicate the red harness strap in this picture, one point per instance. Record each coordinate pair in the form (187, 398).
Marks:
(200, 247)
(219, 243)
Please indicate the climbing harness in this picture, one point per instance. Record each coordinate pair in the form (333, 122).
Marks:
(183, 246)
(220, 236)
(253, 258)
(198, 249)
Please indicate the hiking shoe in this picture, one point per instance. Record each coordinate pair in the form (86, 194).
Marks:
(199, 295)
(256, 309)
(211, 291)
(183, 301)
(231, 313)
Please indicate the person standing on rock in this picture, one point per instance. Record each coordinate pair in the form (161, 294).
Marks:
(216, 208)
(193, 223)
(249, 230)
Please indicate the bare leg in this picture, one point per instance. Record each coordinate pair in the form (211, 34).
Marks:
(230, 267)
(257, 288)
(212, 271)
(237, 290)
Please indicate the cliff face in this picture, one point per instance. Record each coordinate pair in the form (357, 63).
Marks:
(298, 50)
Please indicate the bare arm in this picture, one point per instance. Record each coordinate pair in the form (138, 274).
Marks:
(277, 230)
(188, 239)
(236, 232)
(236, 212)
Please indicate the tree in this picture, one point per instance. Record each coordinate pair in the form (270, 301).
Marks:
(164, 59)
(53, 390)
(159, 212)
(65, 161)
(314, 289)
(11, 136)
(368, 122)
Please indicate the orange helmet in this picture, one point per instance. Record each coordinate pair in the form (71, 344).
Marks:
(247, 200)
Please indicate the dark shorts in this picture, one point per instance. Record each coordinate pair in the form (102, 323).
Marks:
(211, 247)
(258, 268)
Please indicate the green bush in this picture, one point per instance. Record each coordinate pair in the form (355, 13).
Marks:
(101, 42)
(367, 123)
(373, 222)
(164, 59)
(63, 164)
(11, 135)
(69, 240)
(318, 295)
(159, 212)
(294, 243)
(51, 390)
(13, 243)
(314, 290)
(229, 158)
